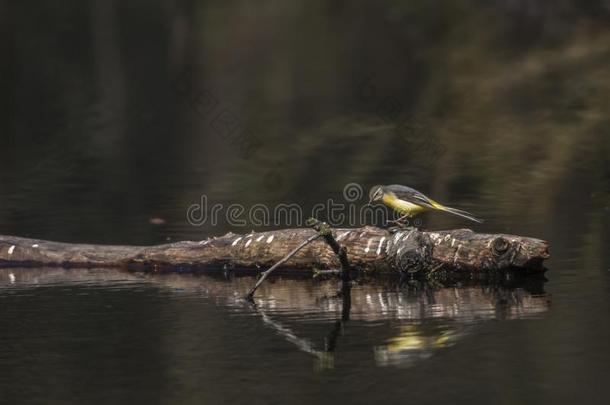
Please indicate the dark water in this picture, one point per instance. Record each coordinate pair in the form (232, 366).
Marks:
(116, 113)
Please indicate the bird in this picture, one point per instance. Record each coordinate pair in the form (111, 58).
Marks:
(409, 202)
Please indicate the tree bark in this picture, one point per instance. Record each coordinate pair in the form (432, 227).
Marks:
(369, 249)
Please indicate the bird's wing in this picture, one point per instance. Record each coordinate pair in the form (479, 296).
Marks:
(415, 197)
(411, 195)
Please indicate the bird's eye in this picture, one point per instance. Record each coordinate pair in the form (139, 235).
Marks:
(375, 194)
(500, 246)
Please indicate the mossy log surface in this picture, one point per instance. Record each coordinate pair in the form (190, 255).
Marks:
(369, 249)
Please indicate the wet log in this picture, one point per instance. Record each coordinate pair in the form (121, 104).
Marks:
(370, 249)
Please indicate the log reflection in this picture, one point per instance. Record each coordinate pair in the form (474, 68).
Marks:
(415, 318)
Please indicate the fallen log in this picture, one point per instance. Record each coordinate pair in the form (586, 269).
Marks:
(370, 249)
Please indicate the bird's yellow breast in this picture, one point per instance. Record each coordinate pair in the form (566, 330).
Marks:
(402, 206)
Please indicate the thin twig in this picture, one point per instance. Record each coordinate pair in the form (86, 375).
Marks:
(265, 274)
(325, 231)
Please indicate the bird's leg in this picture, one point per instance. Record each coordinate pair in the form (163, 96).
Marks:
(400, 222)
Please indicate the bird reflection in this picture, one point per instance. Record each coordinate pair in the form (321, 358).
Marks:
(414, 342)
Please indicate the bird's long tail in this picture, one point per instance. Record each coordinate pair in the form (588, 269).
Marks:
(459, 213)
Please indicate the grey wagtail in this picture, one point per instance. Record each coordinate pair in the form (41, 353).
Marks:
(409, 202)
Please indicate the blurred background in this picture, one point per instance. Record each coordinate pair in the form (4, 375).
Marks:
(116, 116)
(117, 112)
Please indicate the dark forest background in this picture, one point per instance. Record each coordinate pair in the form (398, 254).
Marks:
(112, 112)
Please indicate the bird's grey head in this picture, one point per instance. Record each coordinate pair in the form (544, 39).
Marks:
(375, 194)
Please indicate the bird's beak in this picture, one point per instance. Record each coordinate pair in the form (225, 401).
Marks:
(373, 198)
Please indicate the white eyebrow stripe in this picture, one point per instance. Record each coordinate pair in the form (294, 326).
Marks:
(260, 238)
(236, 241)
(368, 246)
(270, 239)
(11, 250)
(248, 242)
